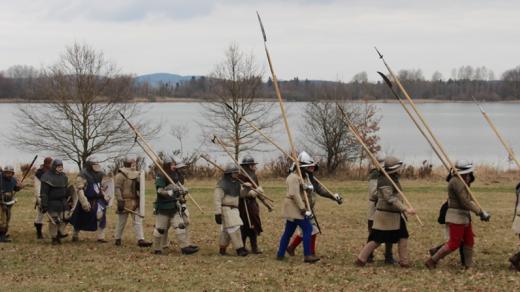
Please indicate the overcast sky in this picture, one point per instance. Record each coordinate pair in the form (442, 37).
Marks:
(325, 39)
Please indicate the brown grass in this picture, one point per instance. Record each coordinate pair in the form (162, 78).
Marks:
(28, 264)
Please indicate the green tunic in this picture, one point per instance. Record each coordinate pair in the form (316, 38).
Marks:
(164, 204)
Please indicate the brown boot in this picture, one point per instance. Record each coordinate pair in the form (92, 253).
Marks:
(290, 250)
(515, 261)
(311, 259)
(222, 251)
(468, 257)
(143, 243)
(435, 249)
(242, 252)
(254, 244)
(405, 265)
(39, 234)
(359, 263)
(431, 263)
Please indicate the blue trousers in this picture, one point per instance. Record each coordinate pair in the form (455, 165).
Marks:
(290, 227)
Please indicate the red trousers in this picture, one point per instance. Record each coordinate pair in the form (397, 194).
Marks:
(460, 233)
(298, 239)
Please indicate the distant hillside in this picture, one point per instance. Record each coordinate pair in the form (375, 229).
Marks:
(156, 78)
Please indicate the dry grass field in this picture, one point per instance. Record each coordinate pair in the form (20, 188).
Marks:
(27, 264)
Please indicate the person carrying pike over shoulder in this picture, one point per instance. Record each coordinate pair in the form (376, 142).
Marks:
(373, 177)
(177, 174)
(170, 211)
(389, 218)
(442, 220)
(248, 205)
(309, 167)
(295, 211)
(226, 200)
(458, 217)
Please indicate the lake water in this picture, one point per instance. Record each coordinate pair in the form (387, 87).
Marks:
(460, 127)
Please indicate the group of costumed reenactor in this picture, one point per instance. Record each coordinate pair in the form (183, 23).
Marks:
(84, 204)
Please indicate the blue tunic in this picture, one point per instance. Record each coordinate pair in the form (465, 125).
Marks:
(87, 221)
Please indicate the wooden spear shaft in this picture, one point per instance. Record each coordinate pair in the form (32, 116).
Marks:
(282, 109)
(219, 142)
(154, 157)
(354, 131)
(441, 158)
(28, 169)
(278, 147)
(412, 103)
(161, 169)
(266, 203)
(499, 136)
(245, 206)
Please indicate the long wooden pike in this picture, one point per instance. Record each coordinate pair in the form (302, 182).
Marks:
(242, 199)
(354, 131)
(270, 140)
(427, 127)
(219, 142)
(153, 156)
(269, 207)
(497, 133)
(396, 95)
(282, 109)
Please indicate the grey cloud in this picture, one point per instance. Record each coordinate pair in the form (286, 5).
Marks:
(134, 10)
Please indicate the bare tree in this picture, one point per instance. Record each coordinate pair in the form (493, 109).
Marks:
(511, 82)
(237, 81)
(361, 77)
(328, 135)
(180, 154)
(25, 81)
(411, 75)
(81, 119)
(436, 76)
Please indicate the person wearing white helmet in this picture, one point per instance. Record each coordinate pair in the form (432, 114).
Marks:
(309, 167)
(389, 224)
(373, 177)
(226, 200)
(458, 217)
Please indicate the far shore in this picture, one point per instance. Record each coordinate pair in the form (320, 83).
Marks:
(197, 100)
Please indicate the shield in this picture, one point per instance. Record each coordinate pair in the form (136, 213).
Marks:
(108, 187)
(142, 192)
(37, 186)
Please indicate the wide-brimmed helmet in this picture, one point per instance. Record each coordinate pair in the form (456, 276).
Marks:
(392, 164)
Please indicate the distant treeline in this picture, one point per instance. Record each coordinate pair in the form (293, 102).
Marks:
(25, 83)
